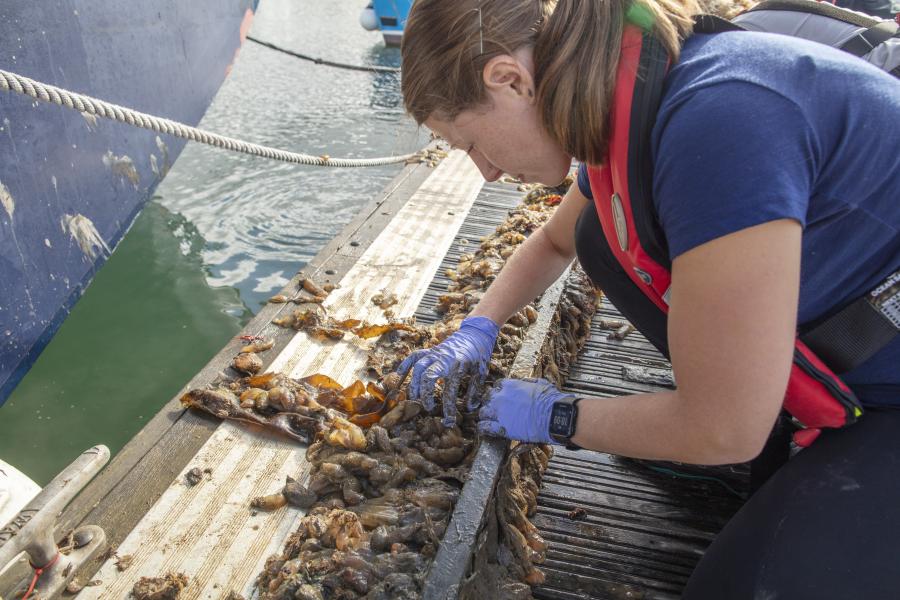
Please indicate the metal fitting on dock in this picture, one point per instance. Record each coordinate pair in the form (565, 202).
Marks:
(32, 531)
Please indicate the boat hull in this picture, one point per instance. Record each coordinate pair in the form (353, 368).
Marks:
(391, 18)
(71, 186)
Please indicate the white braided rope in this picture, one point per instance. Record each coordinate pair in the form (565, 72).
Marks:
(86, 104)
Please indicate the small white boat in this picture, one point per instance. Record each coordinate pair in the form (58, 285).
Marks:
(16, 490)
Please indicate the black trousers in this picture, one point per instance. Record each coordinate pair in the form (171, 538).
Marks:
(825, 526)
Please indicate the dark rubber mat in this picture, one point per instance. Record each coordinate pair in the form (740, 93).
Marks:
(618, 528)
(636, 533)
(489, 210)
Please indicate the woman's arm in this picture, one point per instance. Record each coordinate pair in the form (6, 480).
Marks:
(732, 324)
(536, 264)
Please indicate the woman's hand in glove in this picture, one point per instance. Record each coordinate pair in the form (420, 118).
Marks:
(519, 409)
(466, 352)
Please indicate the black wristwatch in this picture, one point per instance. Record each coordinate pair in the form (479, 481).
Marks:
(563, 418)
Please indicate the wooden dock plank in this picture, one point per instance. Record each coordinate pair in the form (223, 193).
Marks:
(177, 434)
(143, 469)
(641, 532)
(186, 527)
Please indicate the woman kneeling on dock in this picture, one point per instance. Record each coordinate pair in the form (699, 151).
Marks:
(748, 193)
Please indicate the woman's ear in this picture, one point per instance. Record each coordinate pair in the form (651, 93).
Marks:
(505, 73)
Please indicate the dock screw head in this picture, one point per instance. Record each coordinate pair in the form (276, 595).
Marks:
(82, 537)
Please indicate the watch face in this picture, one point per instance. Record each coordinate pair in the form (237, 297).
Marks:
(561, 420)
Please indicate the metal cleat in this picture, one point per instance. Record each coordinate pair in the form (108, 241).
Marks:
(32, 530)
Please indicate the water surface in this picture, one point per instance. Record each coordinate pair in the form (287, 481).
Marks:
(224, 232)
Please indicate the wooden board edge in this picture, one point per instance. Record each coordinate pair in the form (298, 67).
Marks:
(147, 461)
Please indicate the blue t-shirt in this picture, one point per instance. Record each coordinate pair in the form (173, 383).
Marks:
(755, 127)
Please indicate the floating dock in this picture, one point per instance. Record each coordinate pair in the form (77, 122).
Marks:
(616, 529)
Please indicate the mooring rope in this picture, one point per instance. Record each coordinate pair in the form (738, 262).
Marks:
(92, 106)
(322, 61)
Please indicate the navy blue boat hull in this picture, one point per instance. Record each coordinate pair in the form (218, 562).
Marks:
(70, 186)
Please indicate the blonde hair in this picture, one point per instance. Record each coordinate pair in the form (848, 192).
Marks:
(576, 46)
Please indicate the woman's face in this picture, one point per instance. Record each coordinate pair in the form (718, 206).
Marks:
(506, 135)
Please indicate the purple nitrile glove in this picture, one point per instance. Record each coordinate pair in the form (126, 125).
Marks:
(519, 409)
(466, 352)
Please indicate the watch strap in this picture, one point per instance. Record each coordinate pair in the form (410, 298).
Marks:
(570, 445)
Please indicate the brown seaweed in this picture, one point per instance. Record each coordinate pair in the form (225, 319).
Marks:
(248, 363)
(257, 345)
(385, 473)
(225, 405)
(326, 328)
(167, 587)
(399, 470)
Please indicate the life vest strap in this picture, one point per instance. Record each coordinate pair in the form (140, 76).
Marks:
(853, 335)
(623, 197)
(712, 24)
(652, 67)
(825, 9)
(866, 41)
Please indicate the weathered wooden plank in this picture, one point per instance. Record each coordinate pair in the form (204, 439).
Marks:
(680, 544)
(634, 562)
(637, 532)
(565, 584)
(144, 468)
(207, 531)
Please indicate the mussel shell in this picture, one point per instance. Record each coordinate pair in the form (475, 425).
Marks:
(282, 399)
(308, 591)
(297, 494)
(255, 398)
(270, 502)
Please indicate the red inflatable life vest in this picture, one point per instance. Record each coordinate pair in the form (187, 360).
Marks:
(815, 397)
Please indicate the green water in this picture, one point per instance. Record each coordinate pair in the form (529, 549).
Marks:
(144, 327)
(225, 232)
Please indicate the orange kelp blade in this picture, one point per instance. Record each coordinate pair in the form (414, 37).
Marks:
(322, 381)
(387, 403)
(347, 324)
(371, 331)
(352, 397)
(265, 381)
